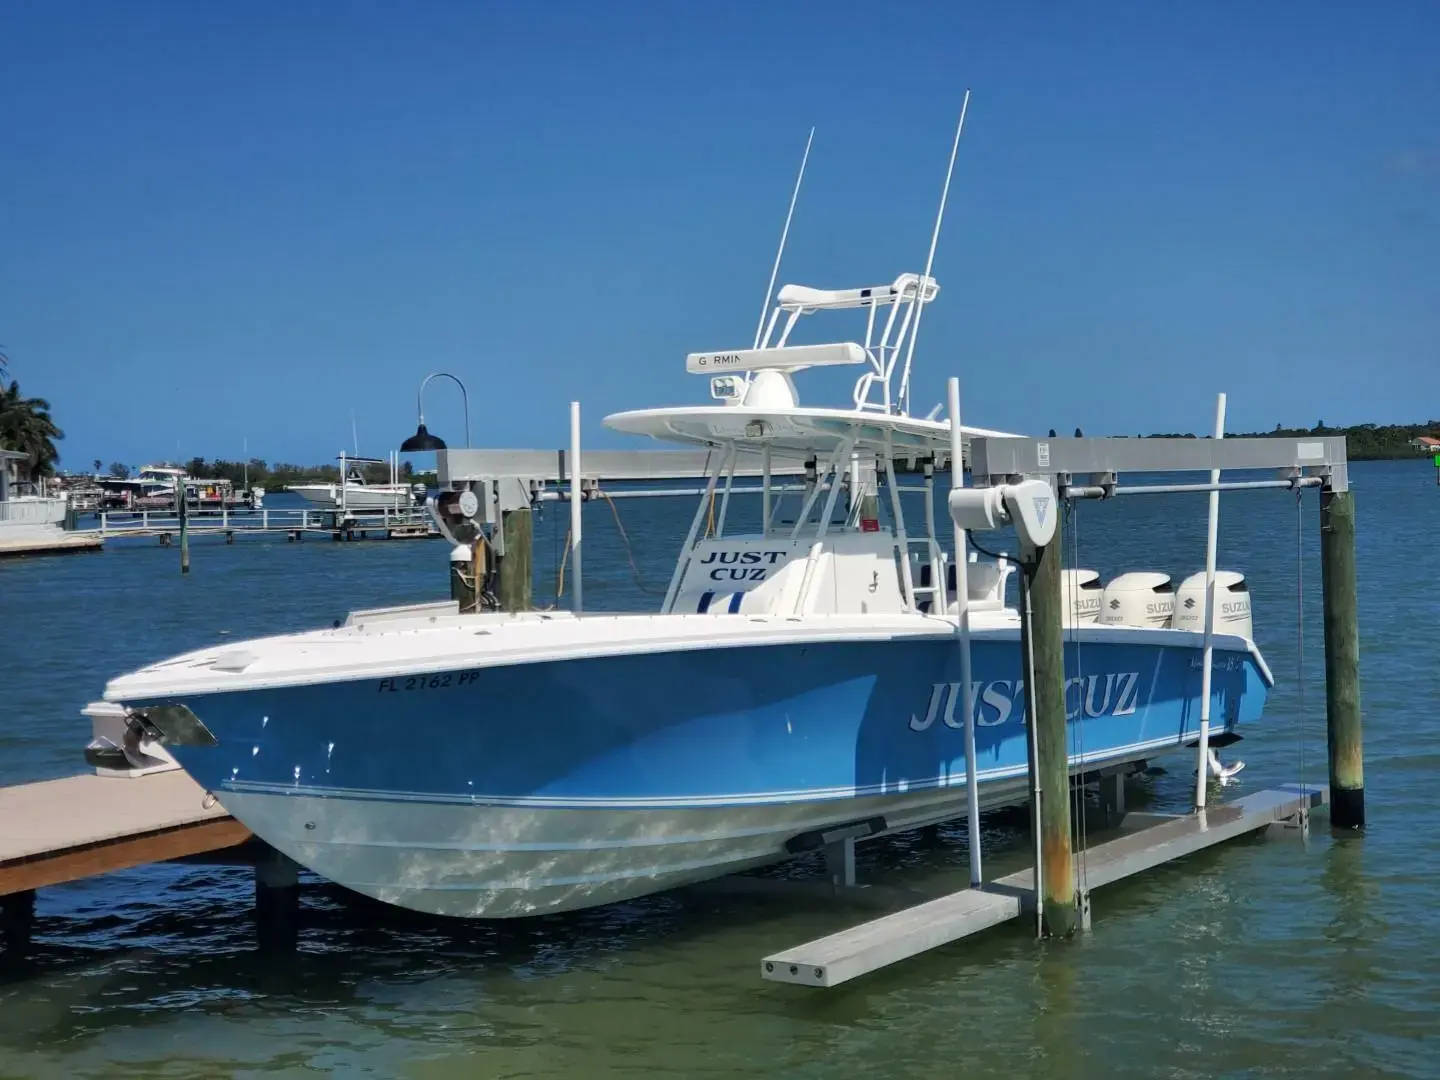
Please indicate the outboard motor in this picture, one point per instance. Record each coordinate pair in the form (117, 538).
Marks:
(1232, 604)
(1082, 595)
(1140, 598)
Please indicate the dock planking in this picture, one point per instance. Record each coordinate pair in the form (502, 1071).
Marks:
(54, 544)
(76, 827)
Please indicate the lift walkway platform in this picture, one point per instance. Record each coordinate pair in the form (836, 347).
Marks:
(1147, 841)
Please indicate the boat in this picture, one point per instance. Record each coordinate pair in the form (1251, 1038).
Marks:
(354, 493)
(153, 488)
(801, 674)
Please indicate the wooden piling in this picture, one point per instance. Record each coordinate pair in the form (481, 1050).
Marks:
(182, 511)
(516, 565)
(17, 920)
(277, 901)
(1043, 582)
(1342, 659)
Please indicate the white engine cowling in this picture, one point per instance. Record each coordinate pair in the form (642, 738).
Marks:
(1232, 604)
(1139, 598)
(1082, 595)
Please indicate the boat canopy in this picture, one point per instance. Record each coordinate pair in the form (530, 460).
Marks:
(796, 431)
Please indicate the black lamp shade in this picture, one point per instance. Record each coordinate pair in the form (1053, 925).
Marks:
(421, 441)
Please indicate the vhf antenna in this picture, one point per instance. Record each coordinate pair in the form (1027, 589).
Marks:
(930, 262)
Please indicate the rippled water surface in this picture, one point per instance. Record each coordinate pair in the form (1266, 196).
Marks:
(1257, 959)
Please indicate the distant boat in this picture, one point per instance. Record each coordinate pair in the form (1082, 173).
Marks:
(153, 488)
(354, 492)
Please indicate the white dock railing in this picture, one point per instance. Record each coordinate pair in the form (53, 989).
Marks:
(149, 522)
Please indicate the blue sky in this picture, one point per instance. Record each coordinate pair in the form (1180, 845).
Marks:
(227, 222)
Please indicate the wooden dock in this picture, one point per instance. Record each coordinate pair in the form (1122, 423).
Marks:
(80, 826)
(62, 830)
(58, 543)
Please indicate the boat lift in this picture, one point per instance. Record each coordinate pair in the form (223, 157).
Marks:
(1022, 482)
(1005, 471)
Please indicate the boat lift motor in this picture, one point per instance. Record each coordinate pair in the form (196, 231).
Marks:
(1028, 505)
(468, 508)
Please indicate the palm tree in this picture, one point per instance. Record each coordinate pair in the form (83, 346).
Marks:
(26, 425)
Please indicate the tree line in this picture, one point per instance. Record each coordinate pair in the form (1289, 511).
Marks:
(1363, 442)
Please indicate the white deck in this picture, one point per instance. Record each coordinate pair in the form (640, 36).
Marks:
(379, 645)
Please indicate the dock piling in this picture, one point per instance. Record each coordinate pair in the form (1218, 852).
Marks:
(277, 901)
(1342, 659)
(17, 920)
(1041, 568)
(182, 511)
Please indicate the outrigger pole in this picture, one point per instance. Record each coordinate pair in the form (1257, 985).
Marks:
(784, 236)
(904, 396)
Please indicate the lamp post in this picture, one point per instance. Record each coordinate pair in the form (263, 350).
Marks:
(422, 440)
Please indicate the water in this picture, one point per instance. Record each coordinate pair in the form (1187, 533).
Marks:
(1258, 959)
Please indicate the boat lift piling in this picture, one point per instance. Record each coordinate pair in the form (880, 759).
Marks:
(516, 569)
(1042, 625)
(962, 622)
(1342, 659)
(577, 501)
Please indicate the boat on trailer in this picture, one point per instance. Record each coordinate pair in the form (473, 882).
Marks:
(801, 675)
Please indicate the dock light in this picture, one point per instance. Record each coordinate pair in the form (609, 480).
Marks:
(422, 441)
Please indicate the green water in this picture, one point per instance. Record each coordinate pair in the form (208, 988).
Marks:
(1256, 959)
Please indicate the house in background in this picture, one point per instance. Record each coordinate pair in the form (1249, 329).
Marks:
(32, 524)
(1425, 444)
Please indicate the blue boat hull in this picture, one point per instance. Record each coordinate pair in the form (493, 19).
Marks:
(508, 791)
